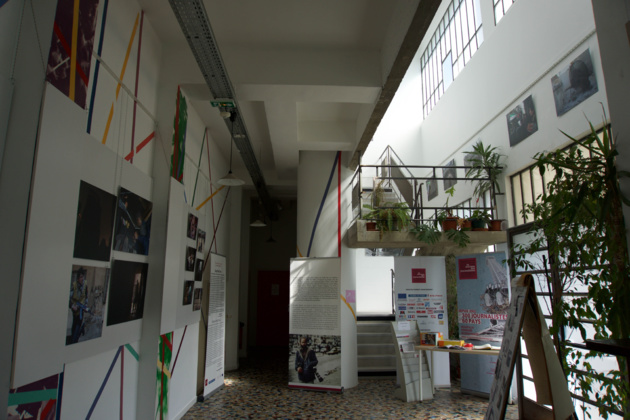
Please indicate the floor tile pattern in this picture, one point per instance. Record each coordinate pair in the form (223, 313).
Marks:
(258, 390)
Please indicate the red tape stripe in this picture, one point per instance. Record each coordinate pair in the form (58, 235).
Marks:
(66, 48)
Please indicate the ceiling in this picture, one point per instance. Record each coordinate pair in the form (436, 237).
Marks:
(306, 75)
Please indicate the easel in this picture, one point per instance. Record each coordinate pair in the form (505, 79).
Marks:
(551, 386)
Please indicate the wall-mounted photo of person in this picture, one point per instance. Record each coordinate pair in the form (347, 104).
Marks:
(189, 286)
(192, 226)
(201, 240)
(199, 269)
(126, 292)
(197, 299)
(88, 289)
(190, 258)
(133, 223)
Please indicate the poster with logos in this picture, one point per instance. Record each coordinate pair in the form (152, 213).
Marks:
(215, 345)
(420, 291)
(314, 351)
(483, 299)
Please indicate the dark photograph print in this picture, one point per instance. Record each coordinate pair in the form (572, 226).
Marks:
(192, 226)
(126, 291)
(197, 299)
(198, 269)
(190, 258)
(201, 240)
(95, 223)
(449, 175)
(188, 292)
(574, 83)
(432, 189)
(88, 289)
(133, 223)
(522, 121)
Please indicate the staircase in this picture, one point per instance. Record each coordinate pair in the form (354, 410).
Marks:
(375, 347)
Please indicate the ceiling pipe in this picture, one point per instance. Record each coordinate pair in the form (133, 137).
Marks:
(194, 22)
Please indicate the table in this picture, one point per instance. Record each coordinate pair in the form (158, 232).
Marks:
(420, 349)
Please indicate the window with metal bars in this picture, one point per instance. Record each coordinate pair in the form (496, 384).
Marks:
(500, 9)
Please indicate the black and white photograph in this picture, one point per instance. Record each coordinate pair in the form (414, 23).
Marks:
(133, 223)
(521, 121)
(315, 359)
(95, 223)
(432, 189)
(574, 84)
(126, 291)
(201, 240)
(86, 305)
(449, 175)
(192, 226)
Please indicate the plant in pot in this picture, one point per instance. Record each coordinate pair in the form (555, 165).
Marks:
(479, 220)
(485, 171)
(445, 217)
(389, 216)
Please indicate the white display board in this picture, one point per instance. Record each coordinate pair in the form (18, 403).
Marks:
(315, 324)
(420, 291)
(66, 156)
(215, 345)
(176, 311)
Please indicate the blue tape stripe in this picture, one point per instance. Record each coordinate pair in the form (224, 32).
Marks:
(96, 69)
(100, 391)
(321, 206)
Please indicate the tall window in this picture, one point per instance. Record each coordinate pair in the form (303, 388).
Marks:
(454, 42)
(500, 9)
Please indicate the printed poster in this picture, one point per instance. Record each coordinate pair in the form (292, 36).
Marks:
(483, 299)
(315, 324)
(215, 345)
(420, 291)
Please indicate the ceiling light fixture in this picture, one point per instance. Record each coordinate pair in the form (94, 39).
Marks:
(230, 179)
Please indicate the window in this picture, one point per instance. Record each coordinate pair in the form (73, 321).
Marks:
(500, 9)
(454, 42)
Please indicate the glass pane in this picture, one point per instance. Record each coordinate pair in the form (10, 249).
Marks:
(537, 185)
(478, 14)
(447, 70)
(470, 12)
(527, 188)
(518, 201)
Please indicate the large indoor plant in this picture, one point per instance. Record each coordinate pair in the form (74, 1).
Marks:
(579, 223)
(389, 216)
(484, 171)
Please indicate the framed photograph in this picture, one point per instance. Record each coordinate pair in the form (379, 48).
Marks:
(198, 269)
(189, 286)
(126, 291)
(201, 240)
(133, 223)
(88, 291)
(192, 226)
(522, 121)
(449, 175)
(191, 253)
(432, 189)
(574, 83)
(197, 298)
(95, 223)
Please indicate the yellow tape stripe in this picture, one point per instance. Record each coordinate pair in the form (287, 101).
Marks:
(163, 370)
(122, 74)
(347, 304)
(73, 49)
(208, 199)
(299, 253)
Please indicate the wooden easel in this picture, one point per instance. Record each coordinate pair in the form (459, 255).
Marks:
(525, 317)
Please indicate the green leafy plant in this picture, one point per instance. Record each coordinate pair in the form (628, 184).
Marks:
(389, 216)
(579, 222)
(427, 232)
(485, 170)
(458, 236)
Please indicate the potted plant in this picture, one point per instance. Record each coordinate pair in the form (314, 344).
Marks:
(479, 219)
(430, 233)
(445, 217)
(485, 171)
(389, 216)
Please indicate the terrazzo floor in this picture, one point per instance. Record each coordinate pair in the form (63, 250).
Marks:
(258, 390)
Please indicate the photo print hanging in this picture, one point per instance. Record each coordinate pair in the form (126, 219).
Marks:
(198, 269)
(190, 258)
(192, 226)
(95, 223)
(201, 240)
(197, 298)
(522, 121)
(126, 291)
(574, 83)
(189, 286)
(449, 175)
(432, 189)
(133, 223)
(88, 291)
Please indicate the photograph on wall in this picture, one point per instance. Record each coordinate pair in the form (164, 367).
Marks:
(189, 287)
(315, 359)
(522, 121)
(197, 294)
(574, 83)
(95, 223)
(199, 269)
(190, 258)
(201, 240)
(192, 226)
(88, 289)
(449, 175)
(126, 291)
(133, 223)
(432, 189)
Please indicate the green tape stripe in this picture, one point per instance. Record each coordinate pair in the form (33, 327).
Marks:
(32, 396)
(132, 351)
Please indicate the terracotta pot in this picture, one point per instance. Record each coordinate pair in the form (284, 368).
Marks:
(466, 225)
(450, 223)
(495, 225)
(370, 226)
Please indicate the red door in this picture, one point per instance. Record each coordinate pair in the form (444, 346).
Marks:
(273, 308)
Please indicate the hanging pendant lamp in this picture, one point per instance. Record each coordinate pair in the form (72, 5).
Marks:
(230, 179)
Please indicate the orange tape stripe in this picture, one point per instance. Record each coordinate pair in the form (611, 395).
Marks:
(208, 199)
(299, 253)
(140, 146)
(350, 307)
(73, 54)
(122, 74)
